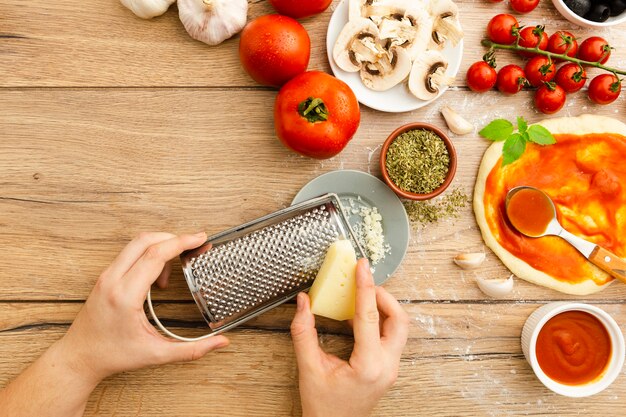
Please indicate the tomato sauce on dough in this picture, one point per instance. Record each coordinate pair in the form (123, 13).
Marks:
(530, 211)
(584, 176)
(573, 348)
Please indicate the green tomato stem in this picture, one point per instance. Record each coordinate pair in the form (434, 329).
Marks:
(551, 55)
(313, 109)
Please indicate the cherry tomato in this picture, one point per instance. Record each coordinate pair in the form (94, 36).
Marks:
(549, 98)
(273, 49)
(316, 114)
(571, 77)
(594, 49)
(502, 28)
(511, 79)
(481, 77)
(604, 89)
(561, 42)
(524, 6)
(299, 9)
(530, 37)
(539, 70)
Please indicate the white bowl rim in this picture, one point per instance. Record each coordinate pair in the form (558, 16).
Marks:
(574, 18)
(616, 361)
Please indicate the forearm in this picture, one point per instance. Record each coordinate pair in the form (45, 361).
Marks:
(54, 385)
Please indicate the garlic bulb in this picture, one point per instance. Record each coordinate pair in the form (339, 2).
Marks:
(469, 260)
(147, 9)
(213, 21)
(456, 123)
(495, 287)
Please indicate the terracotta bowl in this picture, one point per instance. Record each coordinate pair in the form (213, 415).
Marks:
(451, 152)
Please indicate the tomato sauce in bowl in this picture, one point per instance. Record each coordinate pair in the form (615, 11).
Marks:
(573, 348)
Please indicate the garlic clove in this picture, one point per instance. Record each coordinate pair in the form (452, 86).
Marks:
(495, 287)
(469, 260)
(456, 123)
(147, 9)
(213, 21)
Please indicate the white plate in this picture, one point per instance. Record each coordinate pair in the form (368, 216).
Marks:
(352, 185)
(395, 100)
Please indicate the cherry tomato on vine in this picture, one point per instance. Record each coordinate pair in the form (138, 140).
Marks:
(549, 98)
(594, 49)
(511, 79)
(604, 89)
(571, 77)
(502, 28)
(539, 70)
(530, 37)
(524, 6)
(561, 42)
(481, 77)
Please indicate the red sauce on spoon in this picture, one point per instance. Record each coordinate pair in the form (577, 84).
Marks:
(530, 211)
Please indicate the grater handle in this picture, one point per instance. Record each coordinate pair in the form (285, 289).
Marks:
(169, 332)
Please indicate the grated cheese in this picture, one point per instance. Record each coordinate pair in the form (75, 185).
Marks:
(369, 231)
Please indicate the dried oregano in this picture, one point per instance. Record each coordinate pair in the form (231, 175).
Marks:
(417, 161)
(431, 211)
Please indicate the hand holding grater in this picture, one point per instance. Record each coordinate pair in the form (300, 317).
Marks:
(247, 270)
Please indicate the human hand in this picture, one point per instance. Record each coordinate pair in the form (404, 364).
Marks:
(111, 333)
(330, 386)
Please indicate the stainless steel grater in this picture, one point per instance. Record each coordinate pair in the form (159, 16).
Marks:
(247, 270)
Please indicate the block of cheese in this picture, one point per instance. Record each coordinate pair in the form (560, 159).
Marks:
(333, 293)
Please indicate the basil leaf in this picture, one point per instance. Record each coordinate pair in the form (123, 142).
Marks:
(540, 135)
(521, 124)
(513, 148)
(498, 130)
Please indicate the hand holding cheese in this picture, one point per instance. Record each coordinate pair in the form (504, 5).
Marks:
(333, 293)
(330, 386)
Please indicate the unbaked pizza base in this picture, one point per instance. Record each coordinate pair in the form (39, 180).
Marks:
(581, 125)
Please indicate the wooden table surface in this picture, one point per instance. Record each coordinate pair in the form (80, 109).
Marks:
(111, 125)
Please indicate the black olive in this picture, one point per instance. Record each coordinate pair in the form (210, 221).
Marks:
(580, 7)
(617, 7)
(598, 13)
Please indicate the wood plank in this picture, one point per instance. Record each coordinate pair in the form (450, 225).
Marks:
(84, 171)
(94, 43)
(460, 360)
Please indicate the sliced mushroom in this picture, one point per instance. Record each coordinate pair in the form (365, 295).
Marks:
(388, 71)
(428, 75)
(446, 26)
(423, 24)
(355, 8)
(357, 43)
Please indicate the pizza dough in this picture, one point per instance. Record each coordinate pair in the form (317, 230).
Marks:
(591, 279)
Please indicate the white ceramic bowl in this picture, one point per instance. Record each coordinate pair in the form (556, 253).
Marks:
(581, 21)
(539, 317)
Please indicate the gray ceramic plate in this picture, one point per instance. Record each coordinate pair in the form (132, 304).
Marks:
(350, 185)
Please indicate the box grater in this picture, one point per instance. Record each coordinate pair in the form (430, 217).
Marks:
(247, 270)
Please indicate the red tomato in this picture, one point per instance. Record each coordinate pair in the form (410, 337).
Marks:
(561, 42)
(539, 70)
(502, 28)
(316, 114)
(604, 89)
(524, 6)
(273, 49)
(549, 98)
(571, 77)
(530, 37)
(594, 49)
(481, 76)
(511, 79)
(299, 9)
